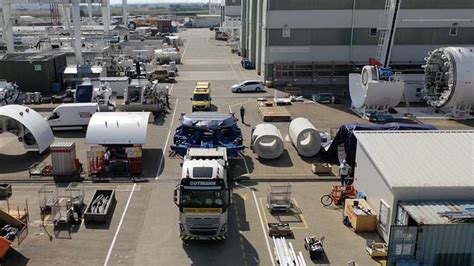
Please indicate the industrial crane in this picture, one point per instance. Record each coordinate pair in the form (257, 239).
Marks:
(76, 19)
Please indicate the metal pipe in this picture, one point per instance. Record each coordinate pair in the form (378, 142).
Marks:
(66, 17)
(352, 29)
(76, 20)
(8, 27)
(124, 13)
(106, 16)
(89, 10)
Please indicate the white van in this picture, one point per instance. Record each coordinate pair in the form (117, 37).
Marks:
(70, 115)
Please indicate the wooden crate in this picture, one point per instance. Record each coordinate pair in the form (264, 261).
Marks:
(274, 114)
(360, 221)
(377, 250)
(279, 229)
(321, 169)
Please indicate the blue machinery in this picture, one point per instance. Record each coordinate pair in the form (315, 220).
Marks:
(208, 130)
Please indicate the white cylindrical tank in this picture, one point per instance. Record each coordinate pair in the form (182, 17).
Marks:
(267, 141)
(304, 136)
(449, 77)
(367, 90)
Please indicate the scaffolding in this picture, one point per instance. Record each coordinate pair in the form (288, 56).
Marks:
(311, 73)
(47, 198)
(279, 197)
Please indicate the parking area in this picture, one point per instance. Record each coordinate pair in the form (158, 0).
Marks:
(144, 228)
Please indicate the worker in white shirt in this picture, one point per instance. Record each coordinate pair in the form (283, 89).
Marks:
(344, 169)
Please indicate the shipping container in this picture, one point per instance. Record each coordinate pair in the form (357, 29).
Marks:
(433, 233)
(63, 158)
(33, 72)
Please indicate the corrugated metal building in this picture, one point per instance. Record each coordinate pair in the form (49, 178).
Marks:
(33, 72)
(424, 235)
(318, 42)
(394, 166)
(232, 8)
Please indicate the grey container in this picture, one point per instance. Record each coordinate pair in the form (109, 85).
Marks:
(63, 158)
(5, 190)
(104, 216)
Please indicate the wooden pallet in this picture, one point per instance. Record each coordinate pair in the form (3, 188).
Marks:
(274, 114)
(279, 229)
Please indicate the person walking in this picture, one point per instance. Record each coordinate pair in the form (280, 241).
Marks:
(242, 114)
(344, 169)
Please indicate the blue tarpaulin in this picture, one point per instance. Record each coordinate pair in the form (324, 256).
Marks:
(346, 136)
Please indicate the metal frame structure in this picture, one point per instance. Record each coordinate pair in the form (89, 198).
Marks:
(65, 10)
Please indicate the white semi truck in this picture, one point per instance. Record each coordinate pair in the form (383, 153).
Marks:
(203, 195)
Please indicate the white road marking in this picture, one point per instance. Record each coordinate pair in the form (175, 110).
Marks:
(240, 103)
(167, 139)
(185, 49)
(231, 64)
(262, 224)
(119, 226)
(245, 163)
(171, 89)
(263, 228)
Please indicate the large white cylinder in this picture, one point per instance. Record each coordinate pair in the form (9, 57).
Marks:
(267, 141)
(367, 90)
(304, 136)
(449, 76)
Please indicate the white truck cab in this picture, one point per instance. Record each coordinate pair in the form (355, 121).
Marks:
(203, 195)
(71, 115)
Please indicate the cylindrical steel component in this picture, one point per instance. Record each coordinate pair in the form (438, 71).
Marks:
(304, 136)
(63, 158)
(449, 77)
(267, 141)
(367, 90)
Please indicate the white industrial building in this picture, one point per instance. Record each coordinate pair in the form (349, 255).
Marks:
(415, 166)
(318, 42)
(206, 21)
(231, 8)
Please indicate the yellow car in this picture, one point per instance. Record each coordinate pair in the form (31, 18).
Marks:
(201, 100)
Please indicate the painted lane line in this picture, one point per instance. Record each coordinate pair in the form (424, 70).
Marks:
(167, 139)
(245, 163)
(119, 225)
(263, 228)
(171, 89)
(261, 221)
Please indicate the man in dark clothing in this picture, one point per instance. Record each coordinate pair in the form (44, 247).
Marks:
(242, 114)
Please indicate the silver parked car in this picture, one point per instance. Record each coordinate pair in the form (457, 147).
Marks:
(248, 85)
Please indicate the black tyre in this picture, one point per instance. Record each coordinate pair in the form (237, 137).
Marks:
(239, 90)
(258, 89)
(326, 200)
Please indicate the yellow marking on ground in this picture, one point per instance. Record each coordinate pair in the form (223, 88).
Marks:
(300, 215)
(243, 196)
(303, 220)
(264, 212)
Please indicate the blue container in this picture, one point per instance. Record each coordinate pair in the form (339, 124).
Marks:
(55, 87)
(84, 93)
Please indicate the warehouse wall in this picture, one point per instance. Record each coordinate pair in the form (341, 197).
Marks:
(369, 181)
(244, 30)
(252, 30)
(316, 24)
